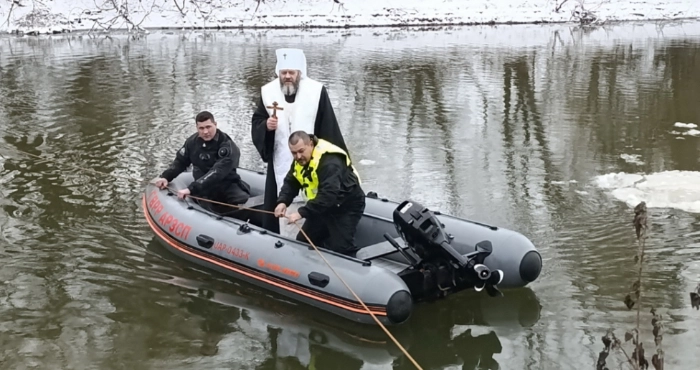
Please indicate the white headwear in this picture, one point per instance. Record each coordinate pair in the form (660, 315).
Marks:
(291, 59)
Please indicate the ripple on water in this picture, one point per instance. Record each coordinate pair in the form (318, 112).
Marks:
(500, 134)
(67, 303)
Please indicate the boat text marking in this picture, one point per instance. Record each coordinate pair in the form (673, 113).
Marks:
(275, 267)
(232, 251)
(168, 221)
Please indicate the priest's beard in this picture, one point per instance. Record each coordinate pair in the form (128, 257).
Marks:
(290, 88)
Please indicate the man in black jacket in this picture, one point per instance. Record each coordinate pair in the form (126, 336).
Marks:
(214, 158)
(331, 185)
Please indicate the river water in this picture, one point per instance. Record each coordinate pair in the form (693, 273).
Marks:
(519, 126)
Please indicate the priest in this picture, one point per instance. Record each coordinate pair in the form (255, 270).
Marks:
(289, 103)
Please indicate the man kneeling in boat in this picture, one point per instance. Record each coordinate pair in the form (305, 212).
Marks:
(214, 158)
(335, 202)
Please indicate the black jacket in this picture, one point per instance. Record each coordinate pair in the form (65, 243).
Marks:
(337, 185)
(214, 162)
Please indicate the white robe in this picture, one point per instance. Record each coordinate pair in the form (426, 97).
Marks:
(300, 115)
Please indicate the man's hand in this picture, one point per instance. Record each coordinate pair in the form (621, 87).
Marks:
(271, 124)
(161, 183)
(280, 210)
(294, 217)
(183, 193)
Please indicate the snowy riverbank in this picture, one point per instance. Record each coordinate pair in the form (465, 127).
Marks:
(48, 16)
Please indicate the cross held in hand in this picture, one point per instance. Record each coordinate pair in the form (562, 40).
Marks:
(274, 108)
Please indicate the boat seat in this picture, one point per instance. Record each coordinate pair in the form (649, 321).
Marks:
(378, 250)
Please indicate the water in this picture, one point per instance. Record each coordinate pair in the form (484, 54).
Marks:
(520, 126)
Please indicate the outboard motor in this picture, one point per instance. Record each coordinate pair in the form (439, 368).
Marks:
(440, 269)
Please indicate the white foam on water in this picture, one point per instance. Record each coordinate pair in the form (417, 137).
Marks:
(668, 189)
(367, 162)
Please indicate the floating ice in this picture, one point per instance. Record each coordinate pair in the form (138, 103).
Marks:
(685, 125)
(690, 126)
(668, 189)
(563, 182)
(632, 158)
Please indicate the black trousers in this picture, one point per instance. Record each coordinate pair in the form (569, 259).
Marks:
(236, 194)
(269, 221)
(336, 229)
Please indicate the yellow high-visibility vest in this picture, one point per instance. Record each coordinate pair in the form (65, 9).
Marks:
(309, 181)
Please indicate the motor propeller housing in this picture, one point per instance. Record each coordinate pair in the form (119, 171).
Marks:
(482, 271)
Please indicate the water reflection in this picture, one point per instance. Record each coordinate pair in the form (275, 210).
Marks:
(504, 124)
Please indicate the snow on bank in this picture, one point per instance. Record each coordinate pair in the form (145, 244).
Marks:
(667, 189)
(46, 16)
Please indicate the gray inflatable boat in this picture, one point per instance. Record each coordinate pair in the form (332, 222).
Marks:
(408, 253)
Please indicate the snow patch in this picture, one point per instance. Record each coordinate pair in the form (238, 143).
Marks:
(34, 16)
(668, 189)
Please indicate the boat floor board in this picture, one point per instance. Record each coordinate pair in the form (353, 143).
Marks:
(377, 250)
(392, 266)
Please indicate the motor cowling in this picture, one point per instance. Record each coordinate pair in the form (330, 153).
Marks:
(424, 233)
(440, 263)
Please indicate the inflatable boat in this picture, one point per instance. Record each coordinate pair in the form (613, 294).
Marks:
(409, 254)
(247, 309)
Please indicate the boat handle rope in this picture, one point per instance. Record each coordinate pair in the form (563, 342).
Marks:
(254, 210)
